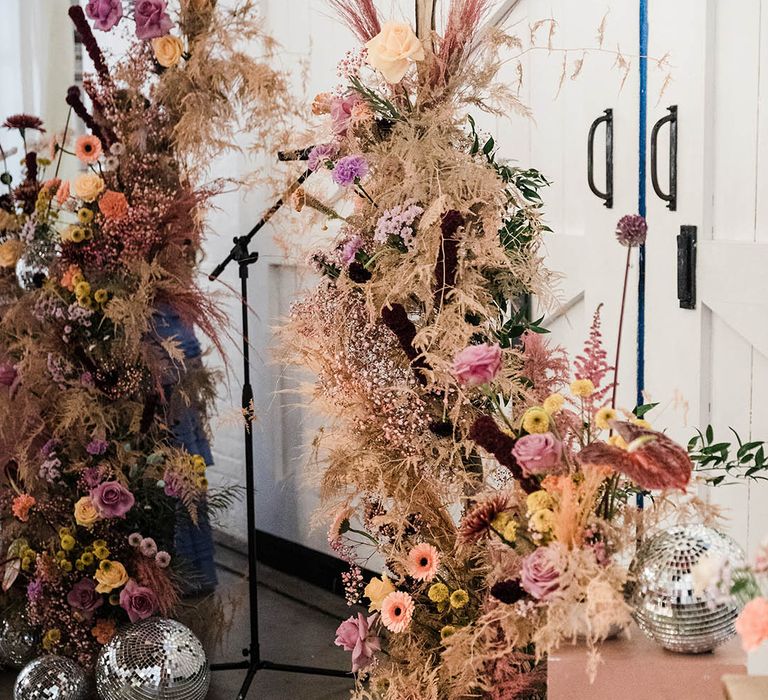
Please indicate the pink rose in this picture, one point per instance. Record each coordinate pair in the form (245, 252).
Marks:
(152, 20)
(538, 453)
(84, 597)
(106, 13)
(138, 601)
(341, 112)
(355, 635)
(752, 624)
(477, 364)
(8, 374)
(539, 575)
(112, 499)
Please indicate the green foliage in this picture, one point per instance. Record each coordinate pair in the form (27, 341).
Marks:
(376, 102)
(516, 325)
(641, 410)
(720, 465)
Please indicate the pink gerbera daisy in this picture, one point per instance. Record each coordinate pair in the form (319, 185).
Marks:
(397, 611)
(423, 561)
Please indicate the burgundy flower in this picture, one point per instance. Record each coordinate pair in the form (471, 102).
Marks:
(652, 460)
(8, 374)
(152, 20)
(112, 499)
(631, 230)
(138, 601)
(84, 597)
(96, 447)
(106, 13)
(22, 122)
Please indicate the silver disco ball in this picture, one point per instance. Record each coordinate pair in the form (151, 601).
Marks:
(18, 640)
(661, 590)
(51, 678)
(155, 659)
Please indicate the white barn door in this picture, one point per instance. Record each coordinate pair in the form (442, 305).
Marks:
(710, 364)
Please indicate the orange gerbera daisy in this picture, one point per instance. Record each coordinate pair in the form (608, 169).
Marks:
(88, 149)
(397, 611)
(423, 562)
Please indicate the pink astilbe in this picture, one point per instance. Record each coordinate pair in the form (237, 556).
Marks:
(593, 364)
(546, 368)
(360, 16)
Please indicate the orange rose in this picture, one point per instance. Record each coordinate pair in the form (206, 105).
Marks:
(113, 205)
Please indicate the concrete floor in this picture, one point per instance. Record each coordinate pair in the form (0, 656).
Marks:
(297, 626)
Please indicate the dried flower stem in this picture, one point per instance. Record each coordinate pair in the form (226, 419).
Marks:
(621, 326)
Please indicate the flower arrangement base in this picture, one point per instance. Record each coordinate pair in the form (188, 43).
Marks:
(635, 668)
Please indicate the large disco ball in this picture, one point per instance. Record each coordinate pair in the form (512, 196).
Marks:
(156, 658)
(18, 640)
(661, 590)
(51, 678)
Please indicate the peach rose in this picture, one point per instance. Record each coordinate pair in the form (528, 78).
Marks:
(168, 50)
(752, 624)
(110, 575)
(391, 50)
(85, 512)
(89, 186)
(10, 252)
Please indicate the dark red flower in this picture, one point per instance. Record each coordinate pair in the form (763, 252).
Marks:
(23, 122)
(652, 460)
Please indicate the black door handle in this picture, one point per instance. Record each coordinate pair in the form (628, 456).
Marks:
(671, 197)
(606, 196)
(686, 267)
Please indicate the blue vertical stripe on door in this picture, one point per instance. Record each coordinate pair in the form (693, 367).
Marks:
(641, 203)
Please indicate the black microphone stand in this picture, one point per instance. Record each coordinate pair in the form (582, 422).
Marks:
(240, 254)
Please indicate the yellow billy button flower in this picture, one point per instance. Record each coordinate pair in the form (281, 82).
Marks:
(100, 549)
(87, 558)
(604, 416)
(538, 500)
(459, 599)
(85, 215)
(201, 482)
(376, 590)
(65, 565)
(82, 290)
(67, 543)
(100, 296)
(447, 631)
(51, 639)
(542, 520)
(582, 388)
(536, 420)
(553, 403)
(110, 575)
(438, 593)
(77, 234)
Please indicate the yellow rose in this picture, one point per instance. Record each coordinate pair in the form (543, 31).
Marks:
(168, 50)
(110, 575)
(376, 590)
(89, 186)
(392, 48)
(85, 512)
(10, 252)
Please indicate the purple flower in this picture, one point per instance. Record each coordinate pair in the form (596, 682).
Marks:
(92, 477)
(152, 20)
(86, 379)
(8, 374)
(171, 487)
(539, 575)
(631, 230)
(350, 248)
(50, 469)
(106, 13)
(319, 154)
(349, 169)
(112, 499)
(49, 449)
(96, 447)
(34, 590)
(84, 597)
(355, 635)
(138, 601)
(538, 453)
(341, 112)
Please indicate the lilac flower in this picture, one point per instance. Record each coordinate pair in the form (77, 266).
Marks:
(96, 447)
(349, 169)
(350, 248)
(86, 379)
(398, 221)
(112, 499)
(92, 477)
(319, 154)
(34, 590)
(83, 596)
(539, 573)
(152, 20)
(138, 601)
(50, 470)
(171, 487)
